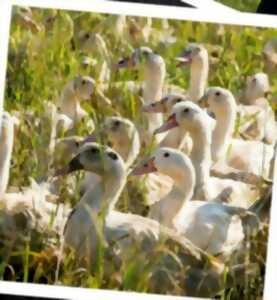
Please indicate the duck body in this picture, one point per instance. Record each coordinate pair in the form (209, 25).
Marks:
(213, 227)
(200, 126)
(131, 232)
(256, 114)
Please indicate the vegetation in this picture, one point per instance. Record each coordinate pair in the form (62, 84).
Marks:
(39, 66)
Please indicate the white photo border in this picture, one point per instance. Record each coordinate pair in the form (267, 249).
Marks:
(227, 17)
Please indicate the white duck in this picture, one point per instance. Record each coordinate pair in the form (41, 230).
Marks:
(95, 218)
(78, 89)
(153, 82)
(60, 124)
(90, 43)
(6, 147)
(257, 116)
(122, 135)
(270, 56)
(249, 156)
(30, 207)
(196, 57)
(175, 138)
(213, 227)
(191, 118)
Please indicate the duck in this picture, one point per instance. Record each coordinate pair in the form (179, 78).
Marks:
(213, 227)
(175, 138)
(153, 78)
(25, 208)
(249, 156)
(270, 56)
(95, 217)
(6, 142)
(78, 89)
(89, 43)
(60, 124)
(122, 136)
(32, 212)
(189, 117)
(256, 114)
(196, 57)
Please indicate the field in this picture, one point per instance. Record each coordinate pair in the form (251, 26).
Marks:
(243, 5)
(41, 62)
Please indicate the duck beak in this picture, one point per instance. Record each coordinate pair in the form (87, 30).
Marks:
(145, 168)
(168, 125)
(155, 107)
(73, 166)
(182, 61)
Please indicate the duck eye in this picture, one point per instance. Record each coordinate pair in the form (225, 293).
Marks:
(116, 123)
(217, 93)
(83, 82)
(86, 36)
(186, 110)
(94, 150)
(166, 154)
(113, 156)
(121, 62)
(178, 100)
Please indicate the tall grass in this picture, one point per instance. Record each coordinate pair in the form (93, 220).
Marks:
(39, 66)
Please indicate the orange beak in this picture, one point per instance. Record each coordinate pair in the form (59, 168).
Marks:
(145, 168)
(168, 125)
(155, 107)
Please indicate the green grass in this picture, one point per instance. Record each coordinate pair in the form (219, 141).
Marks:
(41, 64)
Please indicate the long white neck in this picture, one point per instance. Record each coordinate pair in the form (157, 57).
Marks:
(201, 154)
(129, 149)
(105, 194)
(199, 71)
(168, 208)
(153, 91)
(6, 146)
(222, 135)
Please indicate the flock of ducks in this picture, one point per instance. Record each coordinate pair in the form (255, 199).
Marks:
(203, 178)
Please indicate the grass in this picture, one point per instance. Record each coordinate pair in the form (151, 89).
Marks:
(38, 68)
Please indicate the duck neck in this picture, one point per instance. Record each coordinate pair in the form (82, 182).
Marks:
(173, 204)
(153, 90)
(201, 154)
(129, 149)
(6, 142)
(225, 123)
(199, 71)
(105, 194)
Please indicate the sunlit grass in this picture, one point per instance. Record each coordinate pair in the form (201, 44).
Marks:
(39, 67)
